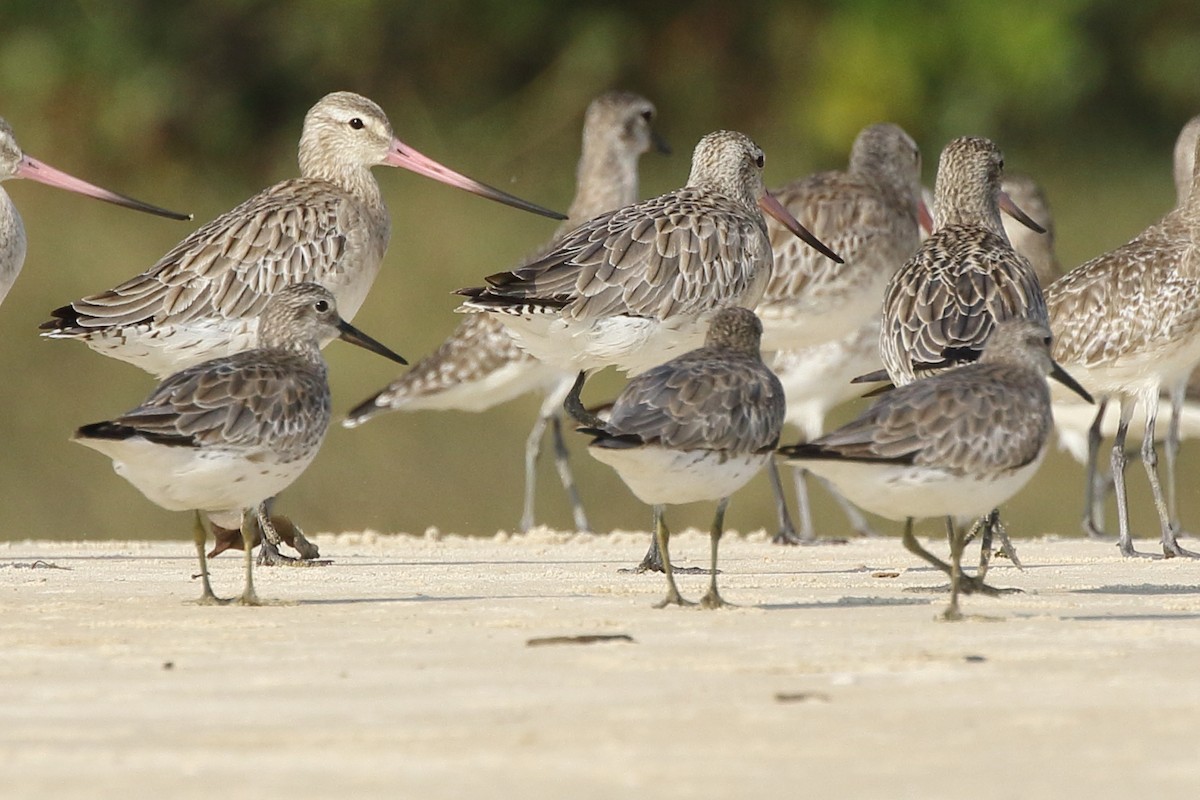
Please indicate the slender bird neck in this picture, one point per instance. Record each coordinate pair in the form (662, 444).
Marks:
(978, 206)
(605, 179)
(354, 179)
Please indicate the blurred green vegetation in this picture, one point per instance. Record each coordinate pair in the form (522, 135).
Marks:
(196, 106)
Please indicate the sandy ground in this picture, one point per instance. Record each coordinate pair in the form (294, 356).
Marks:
(405, 669)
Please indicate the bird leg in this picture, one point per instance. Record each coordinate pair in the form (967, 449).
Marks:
(787, 531)
(573, 405)
(1093, 505)
(1166, 519)
(958, 543)
(1171, 447)
(563, 462)
(249, 598)
(1119, 460)
(661, 536)
(207, 598)
(533, 448)
(967, 584)
(991, 525)
(712, 598)
(652, 561)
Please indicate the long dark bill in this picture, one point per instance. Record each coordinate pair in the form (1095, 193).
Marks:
(351, 334)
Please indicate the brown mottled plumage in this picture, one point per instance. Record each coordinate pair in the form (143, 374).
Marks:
(822, 318)
(695, 428)
(223, 436)
(942, 305)
(1128, 324)
(955, 444)
(868, 214)
(330, 226)
(638, 285)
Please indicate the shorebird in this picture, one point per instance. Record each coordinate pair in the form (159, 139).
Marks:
(637, 286)
(955, 445)
(869, 214)
(480, 365)
(16, 164)
(224, 436)
(941, 306)
(330, 226)
(1128, 323)
(695, 428)
(822, 318)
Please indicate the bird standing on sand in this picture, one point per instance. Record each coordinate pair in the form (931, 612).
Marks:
(955, 445)
(1128, 324)
(695, 428)
(203, 299)
(223, 436)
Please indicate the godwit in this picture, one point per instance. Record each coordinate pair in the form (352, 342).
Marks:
(16, 164)
(1128, 323)
(695, 428)
(330, 226)
(953, 445)
(223, 436)
(869, 214)
(480, 365)
(941, 306)
(822, 318)
(634, 287)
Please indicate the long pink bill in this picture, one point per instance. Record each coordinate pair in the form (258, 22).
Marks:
(924, 216)
(1013, 210)
(771, 206)
(401, 155)
(35, 170)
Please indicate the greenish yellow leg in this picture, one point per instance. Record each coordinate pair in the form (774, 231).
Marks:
(713, 598)
(249, 598)
(661, 535)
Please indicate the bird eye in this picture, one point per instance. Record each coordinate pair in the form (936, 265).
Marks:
(760, 160)
(647, 115)
(1047, 340)
(321, 306)
(356, 123)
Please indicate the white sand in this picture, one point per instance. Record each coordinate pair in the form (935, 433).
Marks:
(403, 670)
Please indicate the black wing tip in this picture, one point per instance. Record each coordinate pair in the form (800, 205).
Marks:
(64, 318)
(362, 412)
(116, 431)
(105, 430)
(814, 451)
(613, 441)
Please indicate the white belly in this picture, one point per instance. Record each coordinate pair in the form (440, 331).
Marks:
(898, 491)
(657, 475)
(631, 344)
(210, 480)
